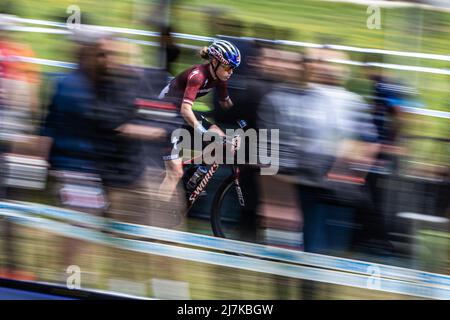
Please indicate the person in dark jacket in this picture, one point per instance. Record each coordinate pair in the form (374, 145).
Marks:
(91, 121)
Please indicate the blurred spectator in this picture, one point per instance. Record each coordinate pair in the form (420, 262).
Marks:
(78, 123)
(107, 149)
(19, 148)
(20, 82)
(6, 248)
(70, 120)
(320, 126)
(171, 49)
(340, 135)
(129, 181)
(259, 82)
(279, 110)
(2, 98)
(72, 126)
(388, 98)
(160, 20)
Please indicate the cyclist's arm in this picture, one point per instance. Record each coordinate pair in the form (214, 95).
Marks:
(191, 119)
(188, 114)
(194, 82)
(226, 104)
(224, 99)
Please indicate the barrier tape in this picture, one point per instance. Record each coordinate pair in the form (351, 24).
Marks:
(192, 37)
(237, 262)
(249, 249)
(420, 55)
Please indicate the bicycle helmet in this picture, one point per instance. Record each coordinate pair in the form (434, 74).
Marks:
(225, 52)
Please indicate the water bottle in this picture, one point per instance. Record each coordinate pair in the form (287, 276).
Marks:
(196, 178)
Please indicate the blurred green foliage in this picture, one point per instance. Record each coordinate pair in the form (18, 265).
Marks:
(402, 28)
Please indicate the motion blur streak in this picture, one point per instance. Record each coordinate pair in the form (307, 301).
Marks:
(90, 94)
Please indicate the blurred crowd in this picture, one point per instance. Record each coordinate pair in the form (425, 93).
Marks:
(96, 145)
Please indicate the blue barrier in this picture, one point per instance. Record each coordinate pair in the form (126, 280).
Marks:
(238, 262)
(248, 249)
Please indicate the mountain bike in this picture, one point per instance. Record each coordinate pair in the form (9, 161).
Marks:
(229, 202)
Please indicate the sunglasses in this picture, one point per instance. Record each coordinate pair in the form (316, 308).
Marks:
(227, 67)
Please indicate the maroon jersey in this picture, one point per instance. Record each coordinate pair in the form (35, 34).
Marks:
(193, 83)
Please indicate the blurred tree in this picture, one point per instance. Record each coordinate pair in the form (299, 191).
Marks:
(8, 7)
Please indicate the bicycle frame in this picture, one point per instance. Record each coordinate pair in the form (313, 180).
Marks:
(193, 196)
(214, 167)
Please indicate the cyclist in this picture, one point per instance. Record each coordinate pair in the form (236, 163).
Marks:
(192, 83)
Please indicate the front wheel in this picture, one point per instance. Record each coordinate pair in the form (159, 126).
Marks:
(230, 218)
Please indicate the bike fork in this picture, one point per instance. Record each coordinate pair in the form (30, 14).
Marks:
(238, 187)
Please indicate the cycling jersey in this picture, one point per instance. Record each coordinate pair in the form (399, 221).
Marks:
(191, 84)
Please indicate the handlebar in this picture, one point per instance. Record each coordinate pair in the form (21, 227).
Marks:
(228, 140)
(242, 123)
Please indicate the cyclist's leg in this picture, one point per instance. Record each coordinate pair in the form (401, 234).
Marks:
(174, 173)
(173, 169)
